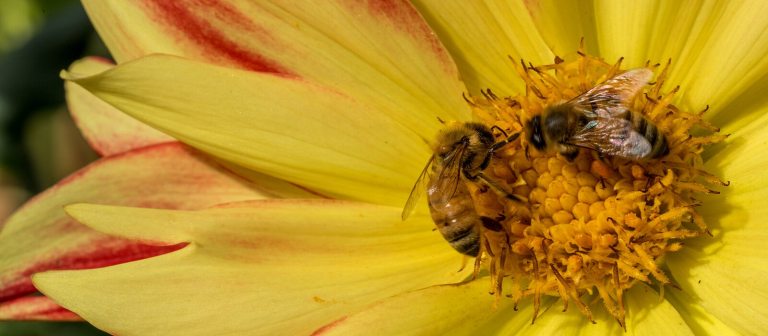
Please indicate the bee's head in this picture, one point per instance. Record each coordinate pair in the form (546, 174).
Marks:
(449, 141)
(465, 139)
(535, 134)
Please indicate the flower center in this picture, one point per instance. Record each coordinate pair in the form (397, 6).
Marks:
(594, 223)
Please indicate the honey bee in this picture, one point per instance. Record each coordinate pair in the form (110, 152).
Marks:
(600, 119)
(461, 153)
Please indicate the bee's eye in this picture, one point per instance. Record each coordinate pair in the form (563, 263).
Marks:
(535, 136)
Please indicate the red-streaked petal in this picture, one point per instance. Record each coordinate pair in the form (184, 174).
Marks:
(106, 129)
(40, 236)
(271, 267)
(380, 51)
(283, 126)
(35, 308)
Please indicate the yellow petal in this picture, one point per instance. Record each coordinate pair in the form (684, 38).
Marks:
(482, 36)
(553, 321)
(637, 31)
(106, 129)
(696, 317)
(723, 55)
(716, 48)
(270, 267)
(646, 314)
(40, 236)
(625, 30)
(381, 52)
(468, 309)
(283, 126)
(563, 24)
(725, 274)
(461, 309)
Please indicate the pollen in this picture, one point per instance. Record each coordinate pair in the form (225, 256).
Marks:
(591, 226)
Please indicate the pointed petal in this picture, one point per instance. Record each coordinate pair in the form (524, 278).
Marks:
(482, 36)
(40, 236)
(265, 267)
(106, 129)
(380, 51)
(724, 274)
(281, 126)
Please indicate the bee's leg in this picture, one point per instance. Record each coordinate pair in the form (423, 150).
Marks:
(650, 179)
(600, 155)
(497, 188)
(601, 168)
(476, 269)
(494, 127)
(569, 152)
(527, 154)
(503, 143)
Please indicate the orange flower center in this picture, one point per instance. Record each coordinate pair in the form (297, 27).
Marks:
(593, 224)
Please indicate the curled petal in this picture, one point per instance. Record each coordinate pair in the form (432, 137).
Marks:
(106, 129)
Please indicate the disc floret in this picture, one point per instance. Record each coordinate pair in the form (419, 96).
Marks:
(593, 225)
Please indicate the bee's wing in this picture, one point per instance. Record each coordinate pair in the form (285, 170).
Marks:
(612, 136)
(418, 190)
(611, 97)
(449, 177)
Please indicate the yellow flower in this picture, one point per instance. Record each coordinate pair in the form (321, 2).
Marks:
(340, 99)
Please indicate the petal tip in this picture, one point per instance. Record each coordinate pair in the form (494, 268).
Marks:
(43, 280)
(65, 75)
(75, 210)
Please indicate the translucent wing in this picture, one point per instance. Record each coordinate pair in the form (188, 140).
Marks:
(443, 185)
(448, 178)
(605, 106)
(610, 98)
(612, 136)
(417, 190)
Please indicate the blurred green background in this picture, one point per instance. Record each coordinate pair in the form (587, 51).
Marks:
(39, 144)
